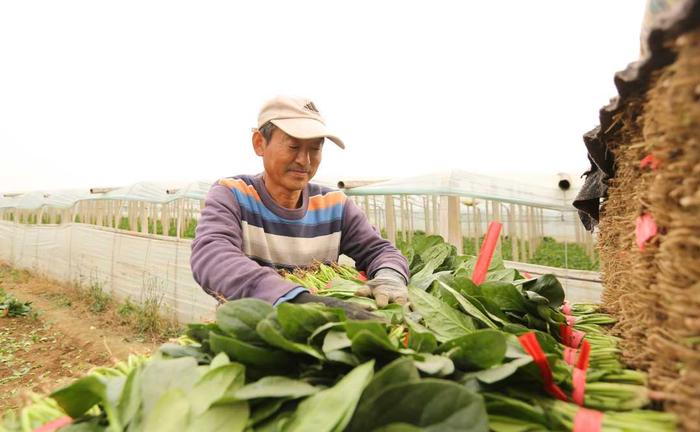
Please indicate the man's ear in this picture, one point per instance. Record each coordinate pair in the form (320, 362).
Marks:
(258, 143)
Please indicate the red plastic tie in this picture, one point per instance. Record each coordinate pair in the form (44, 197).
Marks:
(588, 420)
(584, 355)
(532, 347)
(649, 161)
(570, 355)
(54, 425)
(566, 308)
(526, 274)
(569, 336)
(646, 229)
(578, 380)
(570, 320)
(486, 253)
(362, 276)
(578, 383)
(565, 334)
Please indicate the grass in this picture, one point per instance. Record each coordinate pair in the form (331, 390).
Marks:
(550, 252)
(148, 317)
(98, 299)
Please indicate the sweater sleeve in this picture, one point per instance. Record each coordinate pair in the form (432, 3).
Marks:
(362, 242)
(218, 263)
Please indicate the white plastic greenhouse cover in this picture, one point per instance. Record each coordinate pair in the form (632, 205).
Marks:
(124, 264)
(461, 183)
(144, 191)
(35, 200)
(155, 192)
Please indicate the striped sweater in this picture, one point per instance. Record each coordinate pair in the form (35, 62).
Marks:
(244, 236)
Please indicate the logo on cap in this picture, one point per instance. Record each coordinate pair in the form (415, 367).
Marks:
(311, 107)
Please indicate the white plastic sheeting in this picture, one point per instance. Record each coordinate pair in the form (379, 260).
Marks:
(156, 192)
(464, 184)
(143, 191)
(125, 265)
(36, 200)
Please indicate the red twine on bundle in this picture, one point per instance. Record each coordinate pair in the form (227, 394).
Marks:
(588, 420)
(566, 308)
(649, 161)
(532, 347)
(578, 380)
(645, 230)
(569, 336)
(570, 355)
(54, 424)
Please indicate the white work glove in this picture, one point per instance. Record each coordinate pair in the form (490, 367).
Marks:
(387, 286)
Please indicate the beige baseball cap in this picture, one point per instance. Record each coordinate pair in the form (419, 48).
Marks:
(297, 117)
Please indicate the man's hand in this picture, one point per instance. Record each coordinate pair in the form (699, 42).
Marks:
(388, 286)
(352, 311)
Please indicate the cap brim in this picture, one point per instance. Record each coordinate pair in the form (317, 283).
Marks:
(306, 128)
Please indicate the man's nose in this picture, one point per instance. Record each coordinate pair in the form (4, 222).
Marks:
(303, 158)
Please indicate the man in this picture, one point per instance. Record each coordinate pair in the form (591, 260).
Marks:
(253, 225)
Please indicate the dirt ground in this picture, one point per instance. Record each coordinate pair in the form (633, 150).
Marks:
(61, 339)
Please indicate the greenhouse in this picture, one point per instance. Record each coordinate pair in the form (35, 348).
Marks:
(446, 301)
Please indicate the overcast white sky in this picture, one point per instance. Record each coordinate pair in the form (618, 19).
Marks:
(100, 93)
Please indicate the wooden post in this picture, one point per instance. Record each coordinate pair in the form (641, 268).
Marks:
(477, 229)
(487, 216)
(444, 227)
(178, 227)
(426, 215)
(165, 216)
(411, 226)
(366, 203)
(454, 221)
(390, 218)
(402, 211)
(497, 217)
(143, 215)
(467, 224)
(436, 215)
(518, 223)
(155, 210)
(99, 210)
(117, 213)
(542, 223)
(511, 233)
(133, 214)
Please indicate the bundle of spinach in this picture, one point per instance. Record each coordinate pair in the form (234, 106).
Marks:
(306, 367)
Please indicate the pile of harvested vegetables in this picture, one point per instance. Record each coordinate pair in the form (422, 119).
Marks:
(11, 307)
(506, 354)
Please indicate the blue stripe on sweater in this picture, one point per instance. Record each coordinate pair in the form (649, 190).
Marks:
(312, 217)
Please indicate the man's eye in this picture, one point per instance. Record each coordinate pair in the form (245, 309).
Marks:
(294, 147)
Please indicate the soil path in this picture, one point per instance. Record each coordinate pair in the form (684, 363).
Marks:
(61, 339)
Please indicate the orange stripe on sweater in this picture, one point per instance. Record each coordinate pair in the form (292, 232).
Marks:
(241, 186)
(330, 199)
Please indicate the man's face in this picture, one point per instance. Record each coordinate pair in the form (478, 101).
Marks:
(289, 162)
